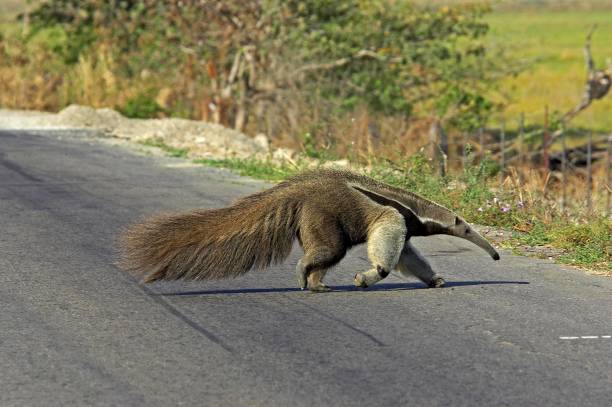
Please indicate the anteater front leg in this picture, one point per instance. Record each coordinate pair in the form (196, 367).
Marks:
(385, 242)
(411, 262)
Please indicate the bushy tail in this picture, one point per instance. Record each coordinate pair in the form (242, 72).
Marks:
(210, 244)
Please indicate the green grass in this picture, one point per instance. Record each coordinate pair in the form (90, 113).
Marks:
(470, 195)
(169, 150)
(552, 42)
(251, 167)
(586, 244)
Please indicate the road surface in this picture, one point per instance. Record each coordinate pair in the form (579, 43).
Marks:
(76, 330)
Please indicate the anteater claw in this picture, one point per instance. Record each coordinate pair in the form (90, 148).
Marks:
(360, 281)
(321, 288)
(300, 273)
(437, 282)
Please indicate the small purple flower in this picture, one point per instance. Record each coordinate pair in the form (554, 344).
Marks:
(480, 209)
(505, 209)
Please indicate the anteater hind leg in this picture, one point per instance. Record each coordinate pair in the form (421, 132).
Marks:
(324, 246)
(411, 262)
(315, 281)
(385, 242)
(312, 267)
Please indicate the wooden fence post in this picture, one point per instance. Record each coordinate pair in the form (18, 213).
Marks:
(522, 140)
(464, 153)
(437, 145)
(482, 145)
(546, 141)
(502, 152)
(609, 176)
(590, 175)
(563, 171)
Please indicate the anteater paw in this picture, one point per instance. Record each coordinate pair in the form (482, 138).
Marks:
(360, 280)
(437, 282)
(320, 288)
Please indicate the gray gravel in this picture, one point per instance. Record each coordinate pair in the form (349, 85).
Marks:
(75, 330)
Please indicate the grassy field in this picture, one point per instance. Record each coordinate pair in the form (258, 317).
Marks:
(551, 43)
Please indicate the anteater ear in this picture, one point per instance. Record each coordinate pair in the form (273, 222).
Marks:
(457, 221)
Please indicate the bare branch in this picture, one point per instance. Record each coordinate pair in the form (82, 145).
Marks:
(324, 66)
(598, 82)
(587, 50)
(362, 54)
(235, 66)
(187, 50)
(248, 56)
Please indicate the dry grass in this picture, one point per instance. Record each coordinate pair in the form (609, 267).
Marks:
(35, 78)
(92, 81)
(10, 8)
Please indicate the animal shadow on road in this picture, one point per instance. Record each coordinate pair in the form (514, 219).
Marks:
(443, 253)
(338, 288)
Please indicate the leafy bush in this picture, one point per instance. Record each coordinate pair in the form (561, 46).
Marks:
(230, 59)
(141, 106)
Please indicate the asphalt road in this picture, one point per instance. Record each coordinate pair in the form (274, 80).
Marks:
(75, 330)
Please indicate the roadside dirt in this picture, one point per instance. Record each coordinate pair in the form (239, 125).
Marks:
(201, 139)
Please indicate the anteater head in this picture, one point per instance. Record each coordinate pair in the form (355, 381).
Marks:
(464, 230)
(425, 218)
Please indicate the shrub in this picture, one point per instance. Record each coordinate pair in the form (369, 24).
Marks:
(141, 106)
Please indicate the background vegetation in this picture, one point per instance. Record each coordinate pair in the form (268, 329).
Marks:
(542, 38)
(280, 67)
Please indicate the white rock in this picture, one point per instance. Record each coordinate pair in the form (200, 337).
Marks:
(339, 163)
(283, 154)
(262, 141)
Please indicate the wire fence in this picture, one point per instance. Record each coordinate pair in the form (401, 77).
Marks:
(533, 150)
